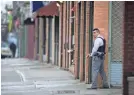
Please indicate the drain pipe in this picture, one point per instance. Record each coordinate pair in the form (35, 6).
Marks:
(91, 17)
(109, 44)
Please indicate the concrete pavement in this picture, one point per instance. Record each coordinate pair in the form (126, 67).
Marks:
(26, 77)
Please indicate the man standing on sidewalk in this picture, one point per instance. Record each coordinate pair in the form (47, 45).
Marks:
(97, 55)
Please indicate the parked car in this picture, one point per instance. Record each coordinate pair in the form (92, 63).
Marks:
(5, 50)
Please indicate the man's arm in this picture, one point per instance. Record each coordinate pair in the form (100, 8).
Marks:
(96, 46)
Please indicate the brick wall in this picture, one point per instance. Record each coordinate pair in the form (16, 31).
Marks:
(35, 39)
(47, 30)
(82, 42)
(130, 86)
(53, 40)
(101, 21)
(64, 35)
(128, 62)
(80, 70)
(76, 69)
(82, 66)
(40, 39)
(67, 33)
(36, 56)
(87, 73)
(30, 43)
(61, 36)
(70, 33)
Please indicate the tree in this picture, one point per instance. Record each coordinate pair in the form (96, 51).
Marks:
(7, 8)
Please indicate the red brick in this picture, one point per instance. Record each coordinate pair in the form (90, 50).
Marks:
(82, 42)
(101, 21)
(87, 73)
(66, 38)
(76, 41)
(128, 61)
(64, 34)
(47, 29)
(70, 38)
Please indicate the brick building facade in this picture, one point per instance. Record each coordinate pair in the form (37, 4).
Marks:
(77, 21)
(128, 47)
(47, 34)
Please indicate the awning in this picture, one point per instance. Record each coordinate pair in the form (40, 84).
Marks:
(49, 10)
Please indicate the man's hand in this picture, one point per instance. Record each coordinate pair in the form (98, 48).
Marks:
(69, 51)
(89, 55)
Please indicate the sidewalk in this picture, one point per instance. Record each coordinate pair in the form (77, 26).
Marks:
(47, 76)
(52, 79)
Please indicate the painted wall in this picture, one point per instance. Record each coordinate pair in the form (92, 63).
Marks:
(30, 42)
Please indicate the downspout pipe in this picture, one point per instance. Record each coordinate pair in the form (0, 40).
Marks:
(109, 44)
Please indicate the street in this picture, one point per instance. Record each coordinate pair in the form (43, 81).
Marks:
(27, 77)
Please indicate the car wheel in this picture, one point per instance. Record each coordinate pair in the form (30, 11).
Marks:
(2, 56)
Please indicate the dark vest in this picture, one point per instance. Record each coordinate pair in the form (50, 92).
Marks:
(102, 48)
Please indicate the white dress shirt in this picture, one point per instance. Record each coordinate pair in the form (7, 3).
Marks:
(12, 40)
(97, 43)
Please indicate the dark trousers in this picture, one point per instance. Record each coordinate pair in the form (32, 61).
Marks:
(13, 48)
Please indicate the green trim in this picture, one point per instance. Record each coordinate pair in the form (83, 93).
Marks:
(91, 23)
(109, 42)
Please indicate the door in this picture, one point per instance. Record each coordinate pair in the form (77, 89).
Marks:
(56, 40)
(115, 42)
